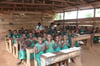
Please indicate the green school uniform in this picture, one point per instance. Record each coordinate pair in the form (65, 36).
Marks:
(22, 54)
(69, 41)
(95, 39)
(65, 46)
(14, 38)
(58, 47)
(66, 34)
(10, 35)
(44, 39)
(51, 46)
(82, 31)
(32, 45)
(37, 56)
(27, 35)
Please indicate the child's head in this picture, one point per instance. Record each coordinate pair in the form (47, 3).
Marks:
(33, 31)
(44, 35)
(49, 37)
(15, 32)
(9, 31)
(30, 34)
(57, 38)
(23, 35)
(40, 40)
(65, 37)
(60, 37)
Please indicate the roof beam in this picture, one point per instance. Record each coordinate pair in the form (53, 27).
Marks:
(80, 20)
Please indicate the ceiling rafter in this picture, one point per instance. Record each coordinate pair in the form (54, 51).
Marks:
(54, 5)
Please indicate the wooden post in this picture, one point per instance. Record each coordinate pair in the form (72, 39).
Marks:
(77, 19)
(92, 36)
(63, 19)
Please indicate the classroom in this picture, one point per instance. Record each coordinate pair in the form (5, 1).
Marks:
(49, 32)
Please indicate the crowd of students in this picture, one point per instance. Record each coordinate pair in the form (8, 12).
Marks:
(43, 40)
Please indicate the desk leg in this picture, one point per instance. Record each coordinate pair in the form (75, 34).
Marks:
(77, 61)
(28, 58)
(43, 62)
(17, 50)
(10, 46)
(7, 45)
(89, 43)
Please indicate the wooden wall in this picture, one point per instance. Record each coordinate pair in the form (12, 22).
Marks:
(27, 20)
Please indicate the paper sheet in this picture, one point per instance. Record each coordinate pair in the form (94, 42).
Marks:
(48, 54)
(70, 50)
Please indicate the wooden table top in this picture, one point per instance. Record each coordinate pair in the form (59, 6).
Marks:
(60, 56)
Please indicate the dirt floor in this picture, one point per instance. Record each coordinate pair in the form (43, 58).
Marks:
(90, 57)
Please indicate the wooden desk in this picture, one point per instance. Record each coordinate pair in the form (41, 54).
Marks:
(60, 56)
(82, 37)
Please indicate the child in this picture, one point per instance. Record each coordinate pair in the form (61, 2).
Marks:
(10, 34)
(15, 37)
(49, 44)
(57, 45)
(65, 44)
(30, 35)
(39, 47)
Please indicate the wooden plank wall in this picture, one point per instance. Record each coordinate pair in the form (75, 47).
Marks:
(26, 20)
